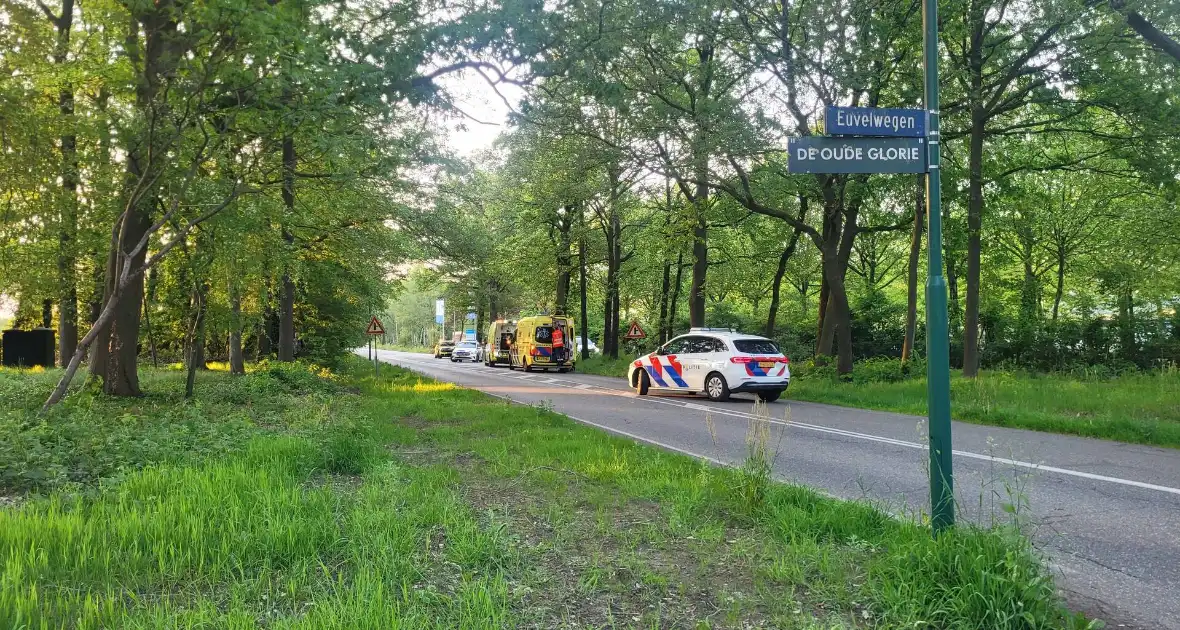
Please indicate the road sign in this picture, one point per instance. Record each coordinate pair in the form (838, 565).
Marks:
(440, 311)
(471, 317)
(874, 121)
(375, 327)
(635, 332)
(469, 334)
(820, 154)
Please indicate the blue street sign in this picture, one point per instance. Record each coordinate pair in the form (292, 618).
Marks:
(469, 334)
(874, 121)
(438, 319)
(820, 154)
(471, 316)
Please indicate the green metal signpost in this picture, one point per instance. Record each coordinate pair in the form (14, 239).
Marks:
(873, 140)
(938, 370)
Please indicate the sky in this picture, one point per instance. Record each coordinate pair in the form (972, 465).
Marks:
(479, 101)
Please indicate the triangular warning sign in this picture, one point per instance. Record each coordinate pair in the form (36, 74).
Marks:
(635, 332)
(375, 327)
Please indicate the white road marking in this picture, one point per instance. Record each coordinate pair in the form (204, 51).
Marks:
(811, 427)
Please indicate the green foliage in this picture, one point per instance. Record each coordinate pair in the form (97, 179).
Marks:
(91, 439)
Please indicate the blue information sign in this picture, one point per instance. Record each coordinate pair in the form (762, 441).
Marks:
(821, 154)
(874, 121)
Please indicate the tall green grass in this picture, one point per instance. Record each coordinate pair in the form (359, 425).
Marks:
(318, 515)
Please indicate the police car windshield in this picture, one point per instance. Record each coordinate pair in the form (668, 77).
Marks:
(755, 346)
(466, 344)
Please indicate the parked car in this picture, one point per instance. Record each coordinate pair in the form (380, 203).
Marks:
(465, 351)
(443, 348)
(715, 362)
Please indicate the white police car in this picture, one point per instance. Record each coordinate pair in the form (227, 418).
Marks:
(714, 361)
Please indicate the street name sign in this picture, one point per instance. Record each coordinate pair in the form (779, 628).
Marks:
(874, 121)
(821, 154)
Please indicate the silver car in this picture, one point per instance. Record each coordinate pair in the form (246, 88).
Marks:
(465, 351)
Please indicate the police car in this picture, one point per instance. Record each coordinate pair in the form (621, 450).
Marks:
(714, 361)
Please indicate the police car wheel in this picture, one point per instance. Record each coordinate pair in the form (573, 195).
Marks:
(716, 388)
(642, 383)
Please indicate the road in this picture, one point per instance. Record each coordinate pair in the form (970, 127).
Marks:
(1106, 514)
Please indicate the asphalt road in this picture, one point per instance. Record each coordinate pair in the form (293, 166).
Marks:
(1106, 514)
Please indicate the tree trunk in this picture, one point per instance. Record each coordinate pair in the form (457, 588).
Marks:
(196, 349)
(665, 288)
(974, 224)
(1127, 323)
(119, 356)
(1060, 282)
(838, 326)
(147, 321)
(584, 321)
(287, 297)
(675, 300)
(776, 285)
(67, 282)
(564, 263)
(117, 362)
(493, 300)
(804, 286)
(266, 329)
(952, 285)
(237, 363)
(700, 258)
(829, 235)
(825, 295)
(911, 313)
(610, 340)
(975, 192)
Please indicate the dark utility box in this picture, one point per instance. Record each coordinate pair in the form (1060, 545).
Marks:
(27, 348)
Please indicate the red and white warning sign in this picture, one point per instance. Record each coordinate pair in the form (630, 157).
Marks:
(375, 327)
(635, 331)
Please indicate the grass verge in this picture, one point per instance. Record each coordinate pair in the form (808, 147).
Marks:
(293, 499)
(405, 348)
(604, 366)
(1141, 408)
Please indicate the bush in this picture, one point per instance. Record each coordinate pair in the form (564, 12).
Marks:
(878, 370)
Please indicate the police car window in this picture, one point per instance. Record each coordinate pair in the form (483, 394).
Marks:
(712, 344)
(755, 346)
(677, 346)
(697, 345)
(544, 334)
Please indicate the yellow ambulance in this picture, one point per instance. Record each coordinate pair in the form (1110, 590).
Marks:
(499, 341)
(544, 342)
